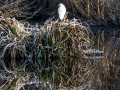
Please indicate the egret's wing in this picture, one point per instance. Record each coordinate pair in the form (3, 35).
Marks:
(60, 11)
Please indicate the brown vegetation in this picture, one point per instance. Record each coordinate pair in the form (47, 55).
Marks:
(18, 8)
(106, 12)
(94, 12)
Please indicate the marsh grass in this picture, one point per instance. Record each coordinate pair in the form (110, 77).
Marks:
(45, 53)
(21, 9)
(94, 12)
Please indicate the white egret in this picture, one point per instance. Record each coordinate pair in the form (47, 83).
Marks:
(61, 11)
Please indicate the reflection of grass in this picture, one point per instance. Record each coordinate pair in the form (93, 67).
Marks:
(58, 75)
(45, 49)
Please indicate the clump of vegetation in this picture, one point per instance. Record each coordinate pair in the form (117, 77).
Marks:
(45, 49)
(29, 41)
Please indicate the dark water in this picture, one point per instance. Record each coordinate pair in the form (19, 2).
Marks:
(33, 22)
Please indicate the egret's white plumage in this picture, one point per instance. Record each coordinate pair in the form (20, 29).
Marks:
(61, 11)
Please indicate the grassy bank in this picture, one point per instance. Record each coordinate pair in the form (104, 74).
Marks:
(105, 12)
(100, 11)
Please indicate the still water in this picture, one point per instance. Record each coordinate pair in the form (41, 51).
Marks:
(33, 22)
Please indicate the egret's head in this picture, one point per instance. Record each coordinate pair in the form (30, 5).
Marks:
(60, 4)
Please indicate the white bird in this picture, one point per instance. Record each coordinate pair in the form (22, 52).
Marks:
(61, 11)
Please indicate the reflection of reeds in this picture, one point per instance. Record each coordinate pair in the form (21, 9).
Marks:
(65, 75)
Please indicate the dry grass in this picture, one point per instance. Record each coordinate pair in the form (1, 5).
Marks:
(100, 12)
(21, 9)
(26, 40)
(105, 12)
(48, 51)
